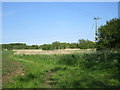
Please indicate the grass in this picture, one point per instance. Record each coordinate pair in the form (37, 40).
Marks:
(9, 66)
(95, 70)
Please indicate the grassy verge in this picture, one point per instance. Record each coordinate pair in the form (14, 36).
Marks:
(95, 70)
(10, 68)
(36, 66)
(88, 71)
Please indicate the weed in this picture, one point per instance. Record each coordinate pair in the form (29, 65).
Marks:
(93, 70)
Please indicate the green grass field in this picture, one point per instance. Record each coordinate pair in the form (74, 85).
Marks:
(95, 70)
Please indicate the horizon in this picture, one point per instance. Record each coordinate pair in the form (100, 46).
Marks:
(38, 23)
(39, 44)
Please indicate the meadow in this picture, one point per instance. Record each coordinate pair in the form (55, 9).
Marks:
(77, 70)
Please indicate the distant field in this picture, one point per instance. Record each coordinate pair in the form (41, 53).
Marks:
(60, 51)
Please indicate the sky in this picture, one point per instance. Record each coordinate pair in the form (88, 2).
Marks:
(45, 22)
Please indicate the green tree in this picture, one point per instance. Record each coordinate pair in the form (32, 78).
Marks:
(85, 44)
(73, 45)
(108, 36)
(56, 45)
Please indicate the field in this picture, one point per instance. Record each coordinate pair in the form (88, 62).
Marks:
(49, 52)
(54, 70)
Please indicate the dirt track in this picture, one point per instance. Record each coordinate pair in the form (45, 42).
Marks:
(60, 51)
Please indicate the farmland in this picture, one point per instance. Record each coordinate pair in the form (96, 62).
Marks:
(48, 52)
(57, 45)
(70, 70)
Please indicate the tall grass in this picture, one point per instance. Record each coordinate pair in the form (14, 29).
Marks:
(93, 70)
(96, 70)
(35, 67)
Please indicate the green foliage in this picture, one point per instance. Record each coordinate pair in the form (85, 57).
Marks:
(93, 70)
(55, 45)
(19, 46)
(86, 44)
(35, 68)
(73, 45)
(70, 59)
(90, 71)
(9, 66)
(83, 44)
(108, 36)
(47, 47)
(105, 59)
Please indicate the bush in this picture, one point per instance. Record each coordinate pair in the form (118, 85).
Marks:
(69, 59)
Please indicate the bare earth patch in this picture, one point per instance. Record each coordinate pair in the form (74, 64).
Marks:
(49, 83)
(18, 71)
(59, 51)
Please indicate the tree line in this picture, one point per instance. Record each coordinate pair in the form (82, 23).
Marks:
(82, 44)
(12, 46)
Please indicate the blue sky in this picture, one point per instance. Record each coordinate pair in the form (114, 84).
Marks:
(45, 22)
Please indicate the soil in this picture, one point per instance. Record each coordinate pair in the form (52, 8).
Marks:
(18, 71)
(49, 83)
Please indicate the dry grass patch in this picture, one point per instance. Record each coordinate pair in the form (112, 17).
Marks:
(47, 52)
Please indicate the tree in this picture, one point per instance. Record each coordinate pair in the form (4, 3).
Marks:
(108, 36)
(85, 44)
(47, 47)
(18, 46)
(73, 45)
(56, 45)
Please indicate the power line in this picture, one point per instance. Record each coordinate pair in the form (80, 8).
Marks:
(96, 26)
(91, 29)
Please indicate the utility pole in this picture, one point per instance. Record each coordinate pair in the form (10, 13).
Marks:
(96, 26)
